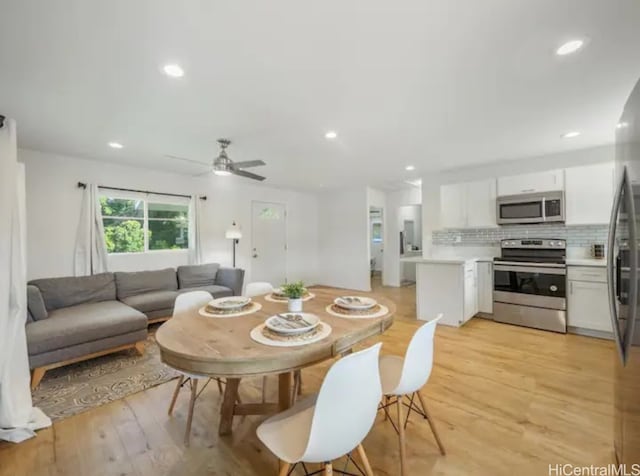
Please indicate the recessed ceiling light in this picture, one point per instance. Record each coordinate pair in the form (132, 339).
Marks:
(569, 47)
(622, 125)
(331, 135)
(173, 70)
(409, 167)
(115, 145)
(570, 135)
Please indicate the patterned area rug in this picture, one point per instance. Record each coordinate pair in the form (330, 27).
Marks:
(76, 388)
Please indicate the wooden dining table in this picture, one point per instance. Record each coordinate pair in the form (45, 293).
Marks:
(223, 348)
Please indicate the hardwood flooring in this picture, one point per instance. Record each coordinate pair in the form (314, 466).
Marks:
(507, 400)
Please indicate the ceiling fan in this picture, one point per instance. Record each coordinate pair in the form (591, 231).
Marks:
(223, 165)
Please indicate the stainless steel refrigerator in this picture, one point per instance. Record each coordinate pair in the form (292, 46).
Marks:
(623, 270)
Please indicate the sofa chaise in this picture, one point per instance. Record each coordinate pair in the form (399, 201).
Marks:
(71, 319)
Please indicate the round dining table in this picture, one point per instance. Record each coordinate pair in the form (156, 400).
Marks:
(223, 348)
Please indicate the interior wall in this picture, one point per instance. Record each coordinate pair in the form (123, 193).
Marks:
(395, 200)
(431, 183)
(343, 248)
(53, 209)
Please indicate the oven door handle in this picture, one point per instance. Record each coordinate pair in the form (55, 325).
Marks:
(530, 265)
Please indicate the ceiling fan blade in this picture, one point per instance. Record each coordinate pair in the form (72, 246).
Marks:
(187, 160)
(202, 173)
(243, 173)
(248, 163)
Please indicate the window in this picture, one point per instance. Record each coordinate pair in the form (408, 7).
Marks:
(376, 232)
(133, 225)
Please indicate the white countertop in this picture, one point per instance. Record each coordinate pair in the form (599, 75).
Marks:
(445, 260)
(586, 262)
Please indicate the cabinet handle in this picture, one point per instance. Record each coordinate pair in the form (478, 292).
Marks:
(570, 287)
(528, 190)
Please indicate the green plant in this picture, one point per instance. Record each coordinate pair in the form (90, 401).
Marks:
(294, 290)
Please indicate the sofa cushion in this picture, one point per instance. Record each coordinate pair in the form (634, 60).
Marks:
(140, 282)
(215, 290)
(82, 323)
(35, 303)
(197, 275)
(71, 291)
(152, 301)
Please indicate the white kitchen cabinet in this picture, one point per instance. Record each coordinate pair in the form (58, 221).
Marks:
(588, 299)
(452, 206)
(589, 194)
(468, 205)
(485, 286)
(549, 180)
(480, 203)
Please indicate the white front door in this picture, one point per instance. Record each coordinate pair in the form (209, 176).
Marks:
(269, 243)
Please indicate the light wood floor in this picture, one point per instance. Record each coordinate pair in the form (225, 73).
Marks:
(507, 400)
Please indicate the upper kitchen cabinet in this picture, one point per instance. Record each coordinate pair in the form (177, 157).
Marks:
(589, 194)
(550, 180)
(468, 205)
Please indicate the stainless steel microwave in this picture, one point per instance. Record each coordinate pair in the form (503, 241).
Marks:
(543, 207)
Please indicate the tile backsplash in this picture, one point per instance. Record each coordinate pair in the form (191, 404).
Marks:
(576, 235)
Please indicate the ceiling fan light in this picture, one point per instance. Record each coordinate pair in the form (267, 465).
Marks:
(222, 173)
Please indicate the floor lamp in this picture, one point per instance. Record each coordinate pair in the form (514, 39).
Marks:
(234, 233)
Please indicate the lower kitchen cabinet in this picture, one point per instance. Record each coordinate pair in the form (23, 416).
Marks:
(588, 299)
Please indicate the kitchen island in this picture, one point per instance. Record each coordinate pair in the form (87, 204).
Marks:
(456, 287)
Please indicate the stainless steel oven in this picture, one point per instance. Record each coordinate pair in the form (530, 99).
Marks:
(530, 284)
(544, 207)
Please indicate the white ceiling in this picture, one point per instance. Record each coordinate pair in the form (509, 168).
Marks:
(437, 84)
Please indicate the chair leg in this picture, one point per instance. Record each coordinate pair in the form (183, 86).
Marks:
(175, 394)
(401, 438)
(365, 460)
(219, 386)
(194, 392)
(386, 411)
(298, 377)
(431, 424)
(36, 376)
(264, 389)
(284, 469)
(328, 469)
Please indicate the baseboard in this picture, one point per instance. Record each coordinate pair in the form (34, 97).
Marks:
(590, 332)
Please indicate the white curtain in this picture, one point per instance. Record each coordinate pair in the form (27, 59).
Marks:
(195, 243)
(18, 417)
(91, 251)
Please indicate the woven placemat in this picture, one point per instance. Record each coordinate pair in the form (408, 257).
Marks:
(376, 311)
(263, 335)
(276, 298)
(250, 308)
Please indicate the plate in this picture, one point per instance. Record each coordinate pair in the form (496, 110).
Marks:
(359, 303)
(292, 322)
(230, 302)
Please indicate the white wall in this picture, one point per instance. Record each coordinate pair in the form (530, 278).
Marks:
(53, 208)
(391, 274)
(431, 183)
(344, 239)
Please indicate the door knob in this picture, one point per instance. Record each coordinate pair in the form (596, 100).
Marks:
(255, 255)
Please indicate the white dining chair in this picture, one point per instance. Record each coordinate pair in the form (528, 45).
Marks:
(402, 378)
(332, 423)
(260, 288)
(187, 303)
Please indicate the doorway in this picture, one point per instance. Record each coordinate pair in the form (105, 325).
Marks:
(269, 242)
(376, 244)
(410, 222)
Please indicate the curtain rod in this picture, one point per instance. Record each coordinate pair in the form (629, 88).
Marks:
(84, 185)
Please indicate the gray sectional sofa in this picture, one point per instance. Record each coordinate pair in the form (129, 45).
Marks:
(77, 318)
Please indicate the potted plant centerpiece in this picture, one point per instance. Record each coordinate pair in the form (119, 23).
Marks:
(294, 292)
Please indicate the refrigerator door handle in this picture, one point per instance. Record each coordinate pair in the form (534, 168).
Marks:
(627, 338)
(613, 268)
